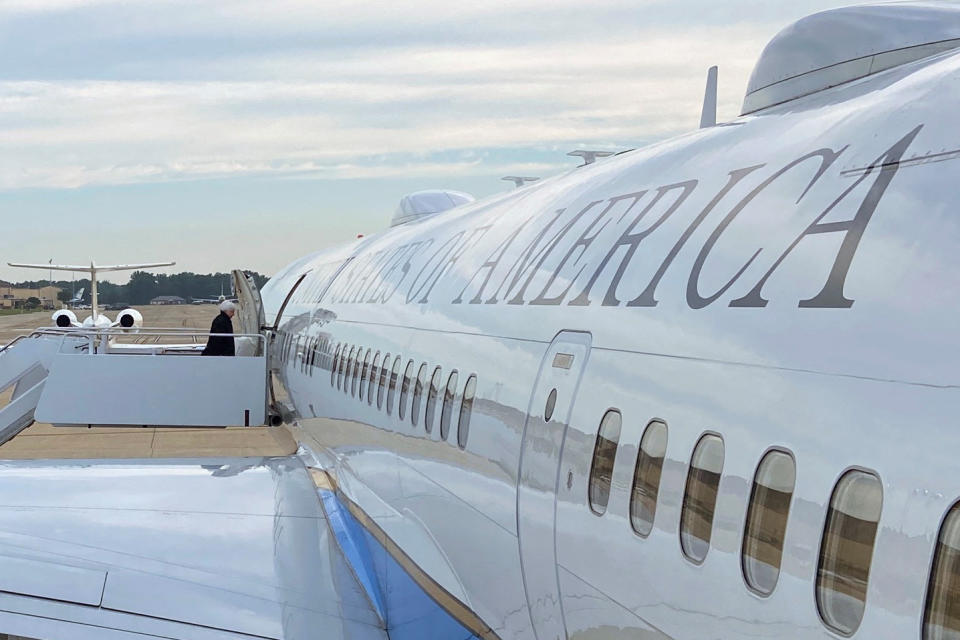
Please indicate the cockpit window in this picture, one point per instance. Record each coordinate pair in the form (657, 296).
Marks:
(700, 497)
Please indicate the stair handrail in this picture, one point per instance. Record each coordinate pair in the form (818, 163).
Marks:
(24, 336)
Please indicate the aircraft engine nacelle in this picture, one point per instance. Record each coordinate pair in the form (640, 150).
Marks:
(129, 319)
(65, 318)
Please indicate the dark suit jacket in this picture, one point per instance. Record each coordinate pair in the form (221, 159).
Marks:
(220, 345)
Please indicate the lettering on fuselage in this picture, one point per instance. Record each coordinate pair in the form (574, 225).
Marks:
(582, 255)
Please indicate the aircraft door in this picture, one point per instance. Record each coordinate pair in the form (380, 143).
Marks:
(544, 430)
(249, 316)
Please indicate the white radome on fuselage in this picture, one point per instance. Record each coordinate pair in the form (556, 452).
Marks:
(785, 281)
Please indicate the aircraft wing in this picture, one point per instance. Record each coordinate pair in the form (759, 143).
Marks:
(86, 268)
(191, 548)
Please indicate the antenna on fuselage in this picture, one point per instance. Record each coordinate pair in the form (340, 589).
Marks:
(708, 114)
(589, 156)
(519, 181)
(93, 270)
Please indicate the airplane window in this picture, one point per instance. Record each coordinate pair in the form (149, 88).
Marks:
(392, 389)
(550, 405)
(449, 396)
(767, 521)
(342, 368)
(432, 394)
(466, 411)
(405, 390)
(941, 616)
(700, 497)
(381, 387)
(345, 361)
(604, 454)
(646, 477)
(374, 375)
(348, 377)
(418, 394)
(333, 369)
(846, 550)
(363, 373)
(356, 372)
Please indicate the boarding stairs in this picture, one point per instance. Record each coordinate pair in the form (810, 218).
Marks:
(22, 378)
(117, 377)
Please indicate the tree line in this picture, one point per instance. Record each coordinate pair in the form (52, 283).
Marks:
(143, 287)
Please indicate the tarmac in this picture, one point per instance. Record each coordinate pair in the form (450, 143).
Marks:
(44, 441)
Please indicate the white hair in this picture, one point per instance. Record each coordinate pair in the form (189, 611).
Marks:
(226, 305)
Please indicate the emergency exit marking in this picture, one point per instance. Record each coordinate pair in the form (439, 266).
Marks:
(563, 360)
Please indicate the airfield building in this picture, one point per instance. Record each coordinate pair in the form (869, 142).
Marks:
(12, 297)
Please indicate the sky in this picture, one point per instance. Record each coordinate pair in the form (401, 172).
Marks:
(244, 133)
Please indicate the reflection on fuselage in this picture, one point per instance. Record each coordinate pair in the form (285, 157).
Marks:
(701, 486)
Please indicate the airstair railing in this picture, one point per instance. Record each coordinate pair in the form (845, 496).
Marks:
(18, 339)
(95, 378)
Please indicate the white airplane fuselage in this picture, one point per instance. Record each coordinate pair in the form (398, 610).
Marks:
(784, 282)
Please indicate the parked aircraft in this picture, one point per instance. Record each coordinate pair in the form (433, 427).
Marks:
(77, 298)
(703, 389)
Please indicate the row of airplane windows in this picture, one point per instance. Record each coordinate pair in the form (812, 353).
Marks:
(366, 375)
(366, 378)
(846, 547)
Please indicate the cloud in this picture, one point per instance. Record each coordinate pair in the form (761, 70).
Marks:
(328, 114)
(228, 115)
